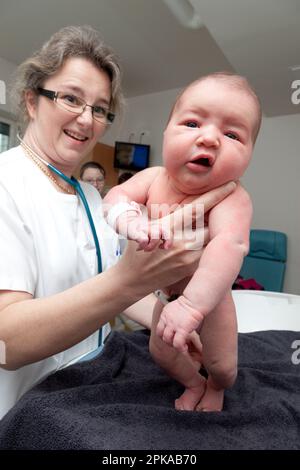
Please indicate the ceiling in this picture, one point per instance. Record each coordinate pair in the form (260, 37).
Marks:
(257, 38)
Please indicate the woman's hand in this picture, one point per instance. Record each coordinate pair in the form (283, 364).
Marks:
(146, 272)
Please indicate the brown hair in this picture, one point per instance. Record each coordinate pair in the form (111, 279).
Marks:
(70, 41)
(92, 164)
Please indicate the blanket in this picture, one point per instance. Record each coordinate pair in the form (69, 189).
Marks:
(123, 400)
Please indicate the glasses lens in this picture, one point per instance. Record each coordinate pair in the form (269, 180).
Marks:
(101, 114)
(76, 105)
(96, 180)
(70, 102)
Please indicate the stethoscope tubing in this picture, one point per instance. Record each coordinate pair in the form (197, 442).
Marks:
(75, 183)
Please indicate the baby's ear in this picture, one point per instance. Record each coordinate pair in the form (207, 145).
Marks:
(31, 102)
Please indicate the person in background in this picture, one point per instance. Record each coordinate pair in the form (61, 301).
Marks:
(61, 279)
(94, 173)
(208, 141)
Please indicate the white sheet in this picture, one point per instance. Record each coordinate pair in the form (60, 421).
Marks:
(258, 311)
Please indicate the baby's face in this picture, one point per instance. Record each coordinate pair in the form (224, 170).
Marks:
(209, 138)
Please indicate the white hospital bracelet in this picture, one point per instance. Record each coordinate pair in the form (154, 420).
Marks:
(119, 209)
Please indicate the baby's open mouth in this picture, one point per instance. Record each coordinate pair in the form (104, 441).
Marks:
(203, 161)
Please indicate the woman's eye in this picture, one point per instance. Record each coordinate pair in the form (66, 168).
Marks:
(191, 124)
(232, 135)
(71, 99)
(99, 111)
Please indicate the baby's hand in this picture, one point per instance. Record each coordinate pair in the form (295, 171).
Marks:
(146, 233)
(158, 231)
(177, 321)
(195, 348)
(134, 227)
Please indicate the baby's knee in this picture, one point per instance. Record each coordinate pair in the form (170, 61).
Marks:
(223, 373)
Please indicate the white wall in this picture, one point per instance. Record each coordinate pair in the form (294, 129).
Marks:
(148, 113)
(273, 182)
(272, 178)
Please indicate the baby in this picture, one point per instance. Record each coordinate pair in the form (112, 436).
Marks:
(208, 141)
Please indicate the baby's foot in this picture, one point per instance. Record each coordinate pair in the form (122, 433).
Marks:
(212, 399)
(190, 397)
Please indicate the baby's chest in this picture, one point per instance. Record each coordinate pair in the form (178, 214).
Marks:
(162, 201)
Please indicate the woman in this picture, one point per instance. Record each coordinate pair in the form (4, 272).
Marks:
(60, 281)
(94, 173)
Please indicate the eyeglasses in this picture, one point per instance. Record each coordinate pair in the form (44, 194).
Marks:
(94, 180)
(76, 105)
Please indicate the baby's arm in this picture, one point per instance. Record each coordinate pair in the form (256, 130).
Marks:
(121, 206)
(229, 226)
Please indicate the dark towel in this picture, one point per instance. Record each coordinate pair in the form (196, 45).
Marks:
(122, 400)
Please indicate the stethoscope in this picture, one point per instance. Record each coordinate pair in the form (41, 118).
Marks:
(75, 183)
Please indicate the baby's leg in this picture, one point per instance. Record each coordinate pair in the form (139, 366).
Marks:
(219, 340)
(181, 366)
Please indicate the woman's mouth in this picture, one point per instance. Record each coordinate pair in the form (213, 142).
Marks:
(76, 136)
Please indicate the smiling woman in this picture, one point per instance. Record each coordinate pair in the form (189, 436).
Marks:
(75, 129)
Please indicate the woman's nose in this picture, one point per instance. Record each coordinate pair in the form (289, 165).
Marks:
(86, 117)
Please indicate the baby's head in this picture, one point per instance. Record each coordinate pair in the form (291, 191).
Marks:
(237, 83)
(211, 132)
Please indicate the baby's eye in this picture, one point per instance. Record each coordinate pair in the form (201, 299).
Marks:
(191, 124)
(232, 135)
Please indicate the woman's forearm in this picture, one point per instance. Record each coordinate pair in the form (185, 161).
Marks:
(38, 328)
(142, 311)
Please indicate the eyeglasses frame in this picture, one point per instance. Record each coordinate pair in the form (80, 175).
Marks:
(53, 95)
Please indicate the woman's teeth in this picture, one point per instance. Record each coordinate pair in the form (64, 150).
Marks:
(76, 136)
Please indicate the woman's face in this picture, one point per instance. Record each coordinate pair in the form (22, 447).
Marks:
(59, 136)
(95, 177)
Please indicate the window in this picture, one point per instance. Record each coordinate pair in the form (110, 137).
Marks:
(4, 136)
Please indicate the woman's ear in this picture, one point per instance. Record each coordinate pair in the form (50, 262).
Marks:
(31, 102)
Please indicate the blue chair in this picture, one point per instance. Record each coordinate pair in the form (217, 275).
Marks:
(266, 259)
